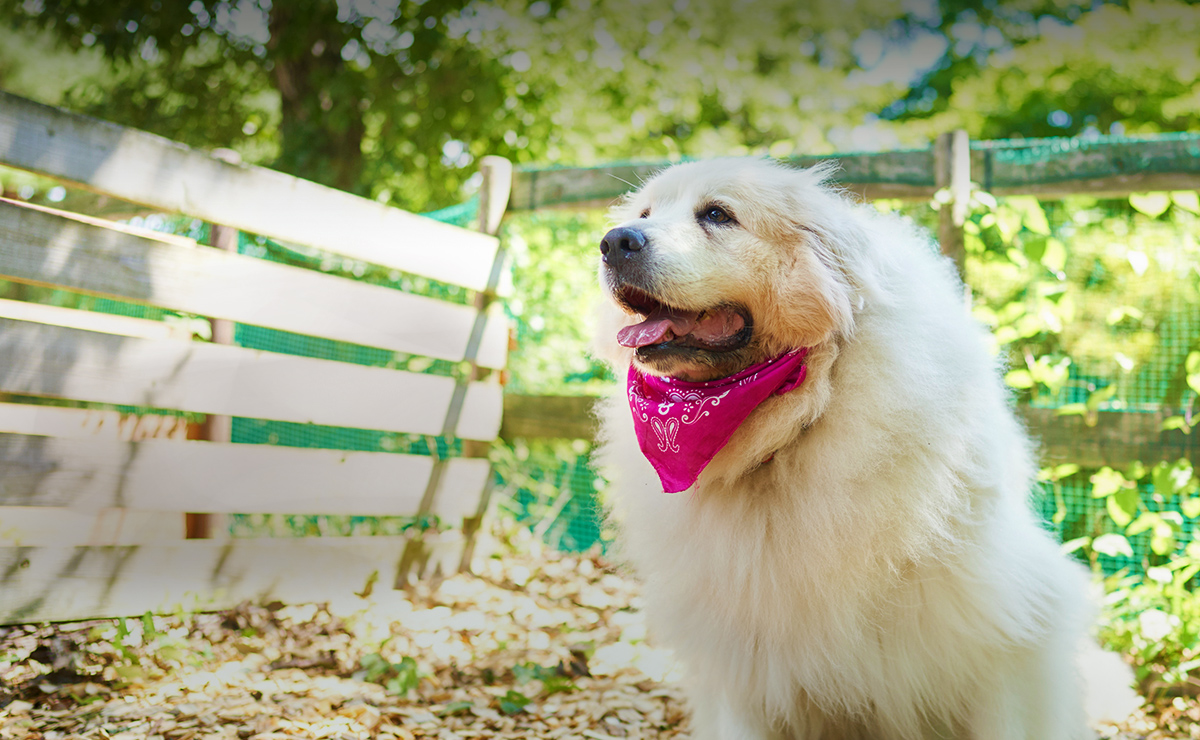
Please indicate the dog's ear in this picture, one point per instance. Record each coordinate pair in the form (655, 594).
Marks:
(811, 298)
(816, 294)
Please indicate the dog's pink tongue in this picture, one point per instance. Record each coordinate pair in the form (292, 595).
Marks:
(656, 326)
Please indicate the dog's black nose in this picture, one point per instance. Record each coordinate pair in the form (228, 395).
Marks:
(624, 239)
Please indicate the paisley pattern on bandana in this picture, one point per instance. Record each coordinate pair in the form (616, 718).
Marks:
(681, 426)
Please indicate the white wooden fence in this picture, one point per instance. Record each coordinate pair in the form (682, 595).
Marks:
(93, 502)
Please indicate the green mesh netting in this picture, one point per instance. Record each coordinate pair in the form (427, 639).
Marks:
(1128, 273)
(259, 431)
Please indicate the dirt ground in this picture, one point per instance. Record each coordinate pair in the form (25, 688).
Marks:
(532, 647)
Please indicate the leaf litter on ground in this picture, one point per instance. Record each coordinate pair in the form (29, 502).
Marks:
(547, 646)
(532, 647)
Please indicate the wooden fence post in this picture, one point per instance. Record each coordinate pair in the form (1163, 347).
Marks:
(216, 427)
(952, 163)
(494, 191)
(493, 200)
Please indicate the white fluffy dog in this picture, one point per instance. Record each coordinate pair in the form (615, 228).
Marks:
(859, 560)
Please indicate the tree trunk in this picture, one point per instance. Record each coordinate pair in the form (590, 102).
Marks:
(321, 97)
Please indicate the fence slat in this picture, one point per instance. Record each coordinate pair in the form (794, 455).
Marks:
(106, 323)
(1117, 438)
(34, 526)
(1050, 168)
(906, 174)
(43, 248)
(73, 364)
(67, 583)
(167, 475)
(143, 168)
(61, 421)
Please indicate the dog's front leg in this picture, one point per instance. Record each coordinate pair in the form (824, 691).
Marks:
(718, 719)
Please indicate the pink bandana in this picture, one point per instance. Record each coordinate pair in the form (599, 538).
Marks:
(666, 413)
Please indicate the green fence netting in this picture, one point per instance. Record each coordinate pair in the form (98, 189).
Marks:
(1095, 302)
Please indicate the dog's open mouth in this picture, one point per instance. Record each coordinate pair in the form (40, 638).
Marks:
(721, 328)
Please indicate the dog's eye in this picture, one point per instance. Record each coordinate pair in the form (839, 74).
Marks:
(716, 215)
(645, 214)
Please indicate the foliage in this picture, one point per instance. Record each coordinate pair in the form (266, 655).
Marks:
(1156, 622)
(398, 678)
(549, 487)
(552, 678)
(1093, 305)
(554, 270)
(1058, 68)
(396, 100)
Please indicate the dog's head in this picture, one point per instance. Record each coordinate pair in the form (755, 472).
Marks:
(721, 264)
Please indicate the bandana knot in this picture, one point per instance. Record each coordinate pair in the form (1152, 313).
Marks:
(681, 425)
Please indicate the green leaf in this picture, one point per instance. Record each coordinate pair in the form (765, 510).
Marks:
(148, 626)
(1151, 204)
(374, 666)
(1145, 522)
(1058, 472)
(1071, 409)
(513, 702)
(1034, 248)
(1193, 381)
(1106, 482)
(1163, 545)
(1190, 507)
(1127, 499)
(1159, 575)
(1019, 379)
(1008, 221)
(1187, 200)
(1135, 470)
(1169, 479)
(1071, 546)
(1112, 545)
(1117, 512)
(557, 684)
(455, 708)
(1030, 211)
(1100, 395)
(529, 671)
(1054, 258)
(1176, 422)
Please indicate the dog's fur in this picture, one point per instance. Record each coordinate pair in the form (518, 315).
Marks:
(882, 576)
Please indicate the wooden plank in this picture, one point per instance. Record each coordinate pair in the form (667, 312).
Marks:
(65, 363)
(211, 477)
(40, 526)
(42, 248)
(561, 417)
(106, 323)
(61, 421)
(1116, 439)
(70, 583)
(952, 160)
(494, 191)
(1106, 166)
(143, 168)
(905, 174)
(1101, 167)
(161, 236)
